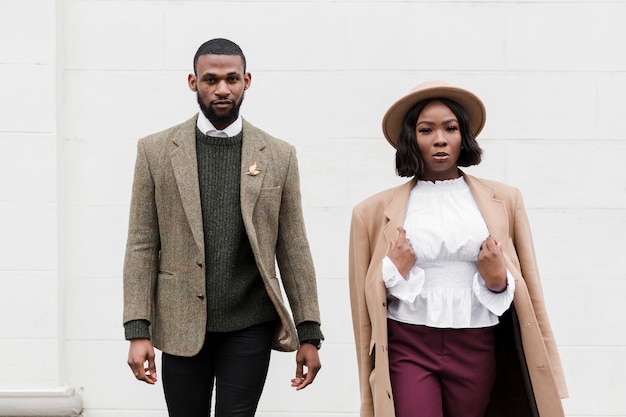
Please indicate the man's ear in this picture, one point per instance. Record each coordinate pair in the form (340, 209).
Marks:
(191, 80)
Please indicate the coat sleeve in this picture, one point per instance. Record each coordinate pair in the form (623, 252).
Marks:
(359, 261)
(524, 246)
(143, 244)
(293, 253)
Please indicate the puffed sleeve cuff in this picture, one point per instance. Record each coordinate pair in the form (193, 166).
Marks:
(495, 302)
(137, 329)
(403, 289)
(309, 330)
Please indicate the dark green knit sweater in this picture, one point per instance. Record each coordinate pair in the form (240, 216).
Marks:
(236, 296)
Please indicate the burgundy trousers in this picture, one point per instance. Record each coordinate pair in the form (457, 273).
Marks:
(440, 372)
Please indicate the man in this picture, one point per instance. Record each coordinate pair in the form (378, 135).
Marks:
(215, 205)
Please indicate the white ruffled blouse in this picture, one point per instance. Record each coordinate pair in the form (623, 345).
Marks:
(444, 289)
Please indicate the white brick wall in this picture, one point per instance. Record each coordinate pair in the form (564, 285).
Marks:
(29, 251)
(82, 80)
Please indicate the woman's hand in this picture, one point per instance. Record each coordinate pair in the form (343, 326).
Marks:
(491, 265)
(401, 253)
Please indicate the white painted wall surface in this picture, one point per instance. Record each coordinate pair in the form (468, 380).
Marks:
(82, 80)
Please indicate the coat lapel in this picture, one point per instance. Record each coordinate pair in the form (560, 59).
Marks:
(493, 210)
(252, 152)
(185, 166)
(396, 210)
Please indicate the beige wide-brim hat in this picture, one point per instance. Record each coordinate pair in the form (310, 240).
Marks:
(394, 117)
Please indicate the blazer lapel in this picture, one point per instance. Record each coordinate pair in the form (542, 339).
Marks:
(493, 210)
(185, 166)
(252, 154)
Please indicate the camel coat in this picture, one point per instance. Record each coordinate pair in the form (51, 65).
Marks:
(529, 381)
(164, 268)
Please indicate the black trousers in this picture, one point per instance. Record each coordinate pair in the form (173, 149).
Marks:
(236, 362)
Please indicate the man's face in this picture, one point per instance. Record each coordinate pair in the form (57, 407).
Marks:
(220, 83)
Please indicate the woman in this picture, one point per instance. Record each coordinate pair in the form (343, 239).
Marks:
(447, 306)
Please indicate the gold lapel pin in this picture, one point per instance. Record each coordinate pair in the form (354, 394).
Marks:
(253, 170)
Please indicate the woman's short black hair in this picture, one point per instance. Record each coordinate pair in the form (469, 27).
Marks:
(409, 162)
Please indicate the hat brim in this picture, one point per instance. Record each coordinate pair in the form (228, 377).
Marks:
(394, 117)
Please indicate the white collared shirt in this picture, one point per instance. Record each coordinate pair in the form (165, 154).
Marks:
(208, 129)
(444, 288)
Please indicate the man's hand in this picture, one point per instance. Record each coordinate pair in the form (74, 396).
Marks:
(141, 360)
(401, 253)
(307, 356)
(491, 265)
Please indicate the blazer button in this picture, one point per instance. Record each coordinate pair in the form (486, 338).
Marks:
(199, 264)
(200, 296)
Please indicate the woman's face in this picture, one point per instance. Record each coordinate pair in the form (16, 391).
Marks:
(439, 141)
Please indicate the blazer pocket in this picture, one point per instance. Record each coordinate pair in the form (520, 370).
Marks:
(270, 192)
(172, 291)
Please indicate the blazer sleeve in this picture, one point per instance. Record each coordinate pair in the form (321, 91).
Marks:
(359, 261)
(524, 247)
(293, 254)
(143, 244)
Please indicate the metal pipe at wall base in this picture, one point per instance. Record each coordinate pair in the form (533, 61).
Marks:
(61, 402)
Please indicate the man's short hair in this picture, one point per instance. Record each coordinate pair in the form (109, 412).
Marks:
(219, 46)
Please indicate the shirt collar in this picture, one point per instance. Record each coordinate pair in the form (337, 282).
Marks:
(206, 127)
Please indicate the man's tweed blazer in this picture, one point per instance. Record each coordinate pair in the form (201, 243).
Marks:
(529, 381)
(164, 267)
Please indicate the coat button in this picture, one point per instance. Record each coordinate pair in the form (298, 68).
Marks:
(200, 296)
(199, 263)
